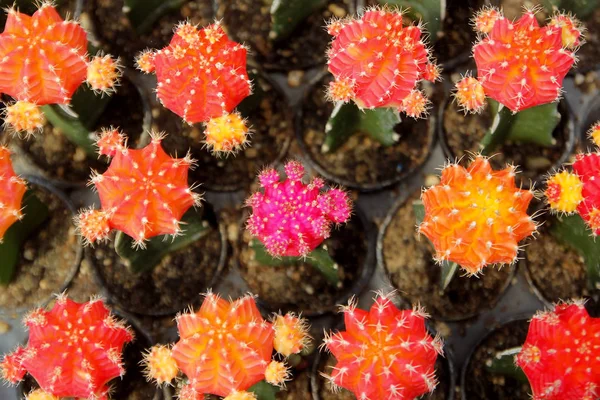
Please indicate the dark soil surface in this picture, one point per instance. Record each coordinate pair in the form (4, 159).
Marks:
(362, 160)
(301, 287)
(48, 258)
(249, 21)
(481, 384)
(408, 260)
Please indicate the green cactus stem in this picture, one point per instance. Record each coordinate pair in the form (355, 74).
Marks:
(533, 125)
(503, 363)
(572, 230)
(35, 213)
(194, 226)
(143, 14)
(264, 391)
(319, 258)
(347, 119)
(431, 12)
(448, 268)
(579, 8)
(286, 15)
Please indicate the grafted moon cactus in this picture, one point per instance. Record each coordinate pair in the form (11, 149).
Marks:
(476, 216)
(74, 350)
(561, 354)
(202, 77)
(12, 189)
(520, 64)
(377, 62)
(292, 218)
(225, 348)
(143, 193)
(43, 60)
(384, 353)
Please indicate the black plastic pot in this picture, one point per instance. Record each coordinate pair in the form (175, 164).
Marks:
(567, 124)
(402, 174)
(355, 289)
(132, 357)
(589, 115)
(74, 268)
(510, 274)
(120, 301)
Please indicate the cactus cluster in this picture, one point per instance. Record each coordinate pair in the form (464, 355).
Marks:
(476, 216)
(561, 354)
(202, 77)
(43, 60)
(384, 353)
(143, 193)
(225, 348)
(74, 350)
(377, 62)
(578, 191)
(519, 63)
(292, 218)
(12, 189)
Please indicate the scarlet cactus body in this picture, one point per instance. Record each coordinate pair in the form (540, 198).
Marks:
(521, 64)
(202, 77)
(384, 353)
(561, 354)
(224, 348)
(292, 218)
(12, 189)
(377, 62)
(476, 216)
(143, 193)
(74, 349)
(43, 60)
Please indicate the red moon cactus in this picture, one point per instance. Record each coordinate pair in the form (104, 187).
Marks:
(12, 189)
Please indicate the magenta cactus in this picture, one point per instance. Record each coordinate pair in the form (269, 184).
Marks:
(292, 218)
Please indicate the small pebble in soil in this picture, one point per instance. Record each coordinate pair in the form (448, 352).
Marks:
(4, 327)
(294, 78)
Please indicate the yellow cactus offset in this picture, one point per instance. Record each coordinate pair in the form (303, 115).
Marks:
(39, 394)
(241, 396)
(23, 116)
(291, 334)
(160, 365)
(564, 192)
(594, 133)
(277, 373)
(476, 216)
(227, 133)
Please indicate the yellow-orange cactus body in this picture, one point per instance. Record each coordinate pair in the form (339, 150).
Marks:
(476, 216)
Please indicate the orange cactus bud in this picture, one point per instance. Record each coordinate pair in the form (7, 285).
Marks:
(103, 73)
(12, 189)
(432, 72)
(39, 394)
(470, 95)
(145, 61)
(335, 26)
(485, 19)
(110, 141)
(341, 90)
(594, 220)
(571, 30)
(594, 133)
(160, 365)
(415, 104)
(291, 334)
(241, 396)
(93, 225)
(564, 192)
(277, 373)
(226, 134)
(476, 216)
(23, 116)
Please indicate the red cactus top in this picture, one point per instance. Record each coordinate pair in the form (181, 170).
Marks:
(292, 218)
(74, 349)
(224, 347)
(384, 353)
(12, 189)
(377, 60)
(43, 59)
(561, 354)
(201, 74)
(521, 64)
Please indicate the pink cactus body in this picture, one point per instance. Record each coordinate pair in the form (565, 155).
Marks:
(74, 349)
(43, 60)
(292, 218)
(144, 193)
(521, 64)
(384, 353)
(561, 356)
(12, 189)
(377, 61)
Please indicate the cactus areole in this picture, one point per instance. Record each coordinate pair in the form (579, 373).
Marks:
(377, 62)
(561, 356)
(292, 218)
(74, 349)
(384, 353)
